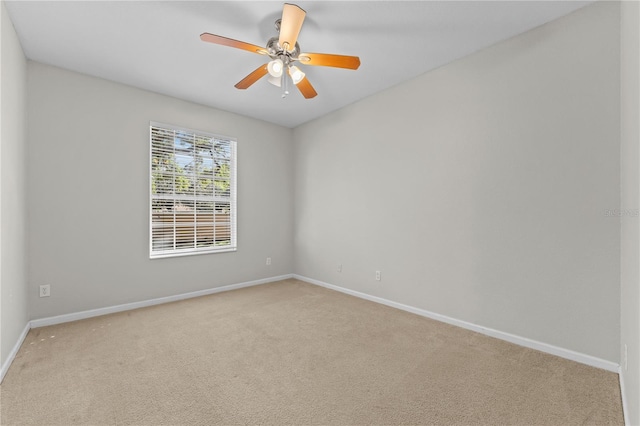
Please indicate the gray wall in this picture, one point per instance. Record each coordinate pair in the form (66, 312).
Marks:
(480, 189)
(89, 187)
(14, 313)
(629, 201)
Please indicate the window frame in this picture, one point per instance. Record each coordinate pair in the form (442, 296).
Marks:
(232, 200)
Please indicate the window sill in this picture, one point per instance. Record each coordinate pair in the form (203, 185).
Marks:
(190, 253)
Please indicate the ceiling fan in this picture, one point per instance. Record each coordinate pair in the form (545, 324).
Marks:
(283, 51)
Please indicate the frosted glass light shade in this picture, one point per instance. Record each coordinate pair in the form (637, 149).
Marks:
(276, 81)
(296, 74)
(275, 67)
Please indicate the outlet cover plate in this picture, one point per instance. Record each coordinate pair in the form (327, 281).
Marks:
(45, 290)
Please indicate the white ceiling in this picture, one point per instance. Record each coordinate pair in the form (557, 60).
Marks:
(155, 45)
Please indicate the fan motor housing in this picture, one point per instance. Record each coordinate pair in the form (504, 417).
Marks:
(276, 51)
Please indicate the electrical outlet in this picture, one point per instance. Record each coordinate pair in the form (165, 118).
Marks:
(625, 358)
(268, 261)
(339, 267)
(377, 275)
(45, 290)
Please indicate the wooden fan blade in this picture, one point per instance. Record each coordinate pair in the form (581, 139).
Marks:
(328, 60)
(256, 75)
(306, 88)
(216, 39)
(290, 25)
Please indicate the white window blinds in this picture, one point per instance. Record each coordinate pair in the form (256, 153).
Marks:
(193, 192)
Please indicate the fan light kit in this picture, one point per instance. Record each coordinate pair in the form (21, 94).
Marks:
(284, 51)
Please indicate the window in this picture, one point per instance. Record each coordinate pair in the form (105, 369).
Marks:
(193, 192)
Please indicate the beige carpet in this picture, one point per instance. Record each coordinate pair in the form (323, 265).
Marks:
(292, 353)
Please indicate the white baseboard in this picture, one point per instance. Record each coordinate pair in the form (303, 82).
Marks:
(14, 352)
(623, 394)
(42, 322)
(518, 340)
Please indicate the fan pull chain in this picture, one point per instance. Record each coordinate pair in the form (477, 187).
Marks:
(285, 84)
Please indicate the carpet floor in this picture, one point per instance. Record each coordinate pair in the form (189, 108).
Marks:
(292, 353)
